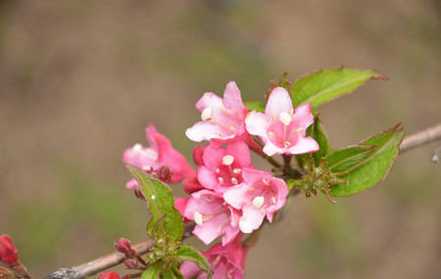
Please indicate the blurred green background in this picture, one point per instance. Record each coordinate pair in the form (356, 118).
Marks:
(79, 80)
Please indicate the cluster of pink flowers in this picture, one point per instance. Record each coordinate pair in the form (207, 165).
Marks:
(228, 195)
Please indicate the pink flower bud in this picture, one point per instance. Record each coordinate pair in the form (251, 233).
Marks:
(109, 275)
(124, 246)
(131, 264)
(8, 251)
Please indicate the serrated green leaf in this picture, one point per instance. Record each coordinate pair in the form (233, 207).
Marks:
(371, 166)
(165, 220)
(326, 85)
(255, 106)
(153, 271)
(188, 253)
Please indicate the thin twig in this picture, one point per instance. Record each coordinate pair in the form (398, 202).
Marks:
(93, 267)
(421, 138)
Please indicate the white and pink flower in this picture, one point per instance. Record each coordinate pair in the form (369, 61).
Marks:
(260, 195)
(222, 119)
(227, 262)
(221, 165)
(212, 216)
(281, 128)
(160, 159)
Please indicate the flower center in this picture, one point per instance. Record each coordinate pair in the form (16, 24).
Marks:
(206, 114)
(227, 160)
(198, 218)
(258, 201)
(285, 118)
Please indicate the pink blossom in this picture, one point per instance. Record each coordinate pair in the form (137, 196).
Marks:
(220, 165)
(227, 262)
(222, 119)
(213, 217)
(258, 196)
(160, 159)
(281, 128)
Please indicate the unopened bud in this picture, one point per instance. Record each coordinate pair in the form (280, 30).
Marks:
(124, 246)
(8, 251)
(131, 264)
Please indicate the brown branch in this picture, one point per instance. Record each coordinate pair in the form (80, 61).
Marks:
(93, 267)
(421, 138)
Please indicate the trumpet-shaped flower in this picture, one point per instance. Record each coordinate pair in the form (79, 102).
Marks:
(227, 262)
(281, 128)
(222, 119)
(220, 166)
(213, 217)
(160, 159)
(258, 196)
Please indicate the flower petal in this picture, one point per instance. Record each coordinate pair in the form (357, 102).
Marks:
(204, 130)
(207, 178)
(236, 195)
(241, 153)
(210, 100)
(211, 229)
(303, 116)
(232, 98)
(257, 123)
(271, 149)
(304, 145)
(251, 219)
(279, 101)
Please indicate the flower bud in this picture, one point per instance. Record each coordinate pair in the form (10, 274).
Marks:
(124, 246)
(109, 275)
(131, 264)
(8, 251)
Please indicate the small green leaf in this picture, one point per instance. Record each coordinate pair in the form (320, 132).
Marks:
(166, 221)
(318, 133)
(365, 165)
(188, 253)
(325, 85)
(255, 106)
(153, 271)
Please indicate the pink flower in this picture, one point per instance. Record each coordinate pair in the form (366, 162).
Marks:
(227, 262)
(282, 129)
(108, 275)
(213, 217)
(258, 196)
(222, 119)
(160, 159)
(220, 166)
(8, 251)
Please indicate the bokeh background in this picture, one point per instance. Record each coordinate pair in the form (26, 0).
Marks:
(79, 81)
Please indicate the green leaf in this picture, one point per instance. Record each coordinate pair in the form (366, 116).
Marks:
(165, 220)
(326, 85)
(255, 106)
(365, 165)
(188, 253)
(153, 271)
(318, 133)
(346, 159)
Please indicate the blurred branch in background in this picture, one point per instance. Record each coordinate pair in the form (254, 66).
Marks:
(93, 267)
